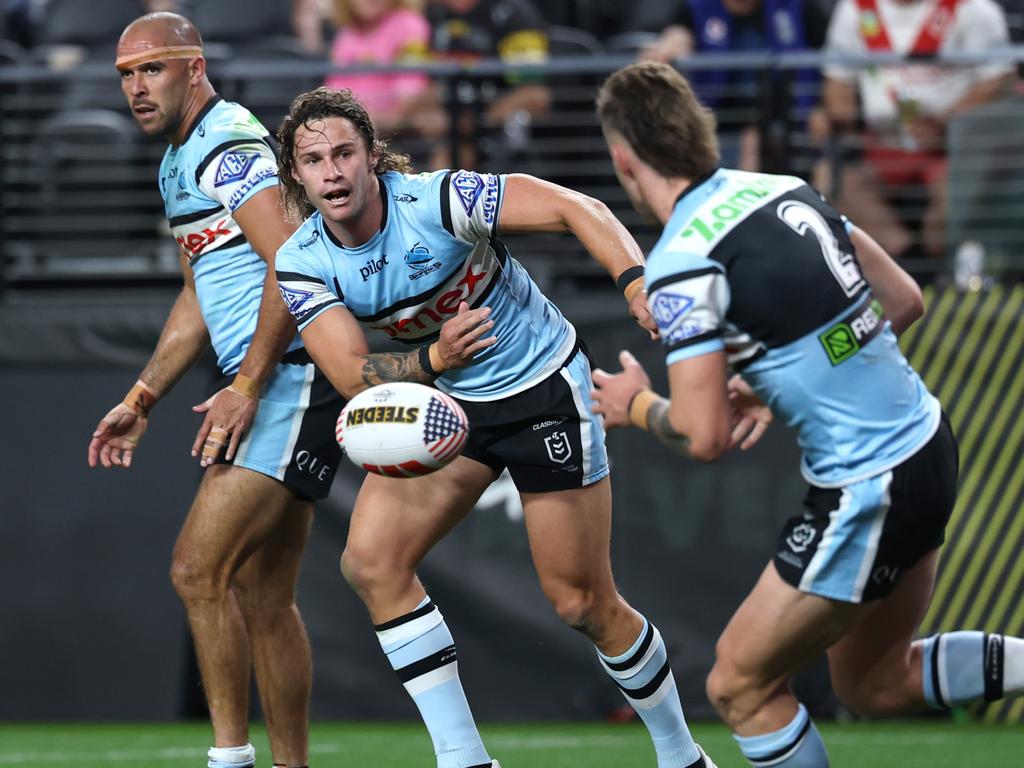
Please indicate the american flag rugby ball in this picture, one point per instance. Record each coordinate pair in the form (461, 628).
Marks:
(402, 429)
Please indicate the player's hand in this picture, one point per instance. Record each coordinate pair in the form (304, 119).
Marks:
(114, 440)
(750, 416)
(641, 312)
(228, 416)
(463, 336)
(615, 391)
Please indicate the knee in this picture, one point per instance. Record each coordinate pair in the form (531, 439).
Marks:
(196, 582)
(262, 596)
(584, 609)
(367, 571)
(735, 693)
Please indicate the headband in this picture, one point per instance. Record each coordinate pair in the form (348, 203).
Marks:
(154, 54)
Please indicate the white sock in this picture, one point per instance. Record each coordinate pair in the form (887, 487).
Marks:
(1013, 666)
(231, 757)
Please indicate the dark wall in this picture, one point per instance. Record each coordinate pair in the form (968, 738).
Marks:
(87, 606)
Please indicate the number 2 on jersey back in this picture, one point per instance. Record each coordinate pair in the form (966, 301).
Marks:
(802, 218)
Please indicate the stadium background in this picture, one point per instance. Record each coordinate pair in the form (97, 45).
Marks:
(89, 274)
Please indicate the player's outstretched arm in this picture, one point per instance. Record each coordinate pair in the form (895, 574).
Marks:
(535, 205)
(696, 421)
(182, 341)
(338, 345)
(899, 294)
(230, 412)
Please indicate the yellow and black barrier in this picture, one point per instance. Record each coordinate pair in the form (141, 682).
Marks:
(969, 348)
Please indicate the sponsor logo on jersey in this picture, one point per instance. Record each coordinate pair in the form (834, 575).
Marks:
(405, 198)
(420, 261)
(307, 462)
(373, 266)
(234, 166)
(201, 130)
(685, 331)
(558, 447)
(429, 316)
(468, 186)
(846, 338)
(800, 537)
(244, 189)
(491, 199)
(294, 298)
(382, 414)
(312, 239)
(196, 242)
(733, 206)
(668, 307)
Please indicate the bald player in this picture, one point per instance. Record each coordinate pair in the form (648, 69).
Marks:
(267, 439)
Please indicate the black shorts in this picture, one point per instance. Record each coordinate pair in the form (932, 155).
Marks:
(546, 436)
(292, 437)
(854, 543)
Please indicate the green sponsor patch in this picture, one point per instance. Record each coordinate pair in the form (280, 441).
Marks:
(845, 339)
(839, 342)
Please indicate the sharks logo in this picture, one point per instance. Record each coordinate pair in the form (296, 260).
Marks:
(421, 261)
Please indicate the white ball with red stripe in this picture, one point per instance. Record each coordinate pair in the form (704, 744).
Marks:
(402, 429)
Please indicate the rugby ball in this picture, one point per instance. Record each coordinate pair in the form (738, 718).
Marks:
(402, 429)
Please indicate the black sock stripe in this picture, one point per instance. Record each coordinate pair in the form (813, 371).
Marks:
(412, 616)
(618, 666)
(935, 673)
(442, 658)
(642, 693)
(993, 667)
(769, 759)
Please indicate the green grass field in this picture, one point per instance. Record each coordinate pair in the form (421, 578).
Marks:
(930, 744)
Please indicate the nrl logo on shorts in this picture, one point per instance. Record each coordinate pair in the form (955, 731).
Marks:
(801, 537)
(558, 447)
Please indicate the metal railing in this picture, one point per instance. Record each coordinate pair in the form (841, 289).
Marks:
(80, 202)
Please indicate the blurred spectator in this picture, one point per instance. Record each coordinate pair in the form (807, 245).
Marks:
(381, 32)
(739, 97)
(308, 18)
(905, 109)
(512, 30)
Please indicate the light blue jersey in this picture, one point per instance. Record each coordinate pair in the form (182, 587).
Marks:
(437, 246)
(225, 159)
(762, 267)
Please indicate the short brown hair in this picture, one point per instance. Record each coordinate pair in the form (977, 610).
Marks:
(320, 104)
(654, 109)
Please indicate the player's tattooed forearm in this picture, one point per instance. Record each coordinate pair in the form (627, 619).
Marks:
(659, 426)
(384, 367)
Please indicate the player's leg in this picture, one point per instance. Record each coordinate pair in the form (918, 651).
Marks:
(394, 524)
(879, 668)
(570, 534)
(265, 590)
(776, 631)
(234, 511)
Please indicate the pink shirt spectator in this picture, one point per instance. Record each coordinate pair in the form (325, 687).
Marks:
(399, 36)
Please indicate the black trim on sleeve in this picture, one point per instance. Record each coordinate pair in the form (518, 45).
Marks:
(188, 218)
(706, 336)
(497, 207)
(298, 276)
(446, 204)
(661, 282)
(224, 145)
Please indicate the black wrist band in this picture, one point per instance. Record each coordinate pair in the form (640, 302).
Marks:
(425, 361)
(627, 277)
